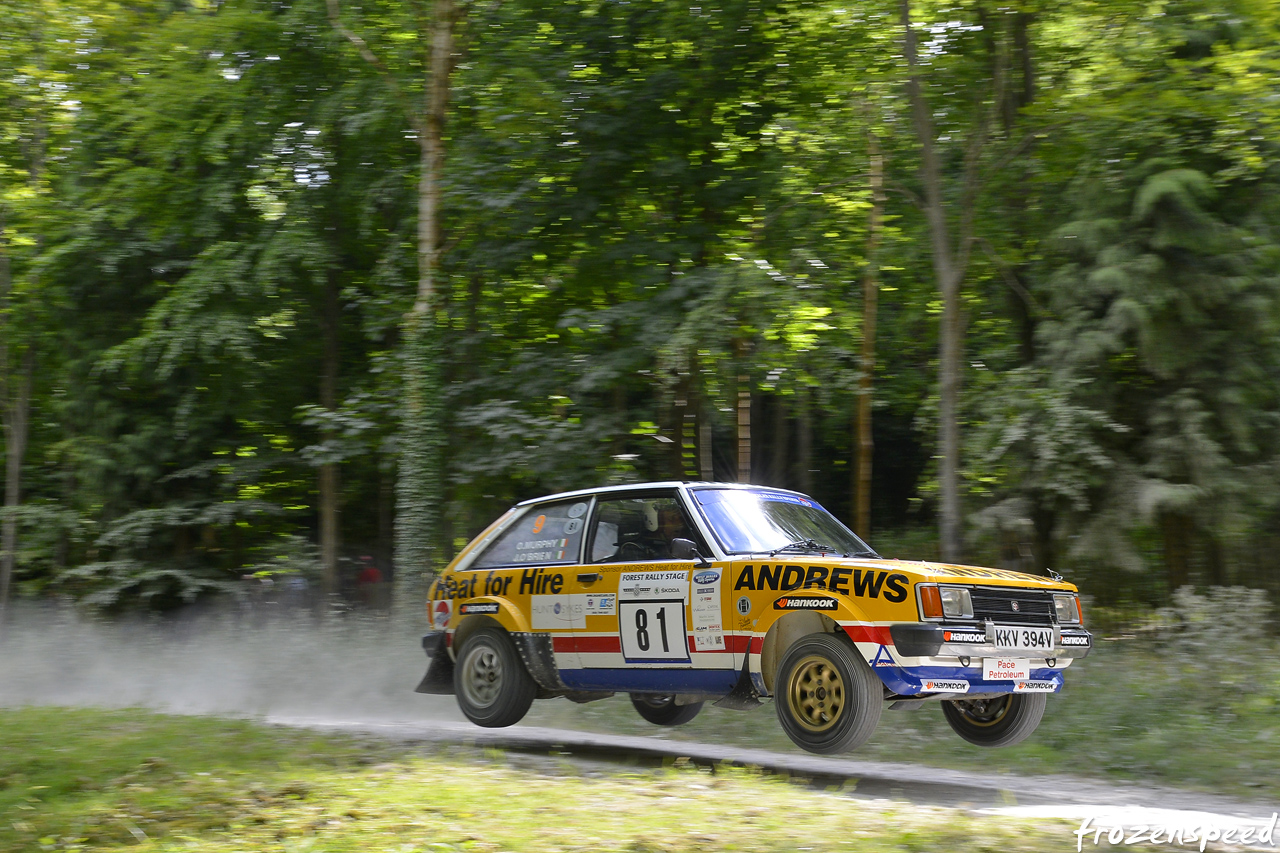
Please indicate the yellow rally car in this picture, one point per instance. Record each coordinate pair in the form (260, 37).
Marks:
(682, 593)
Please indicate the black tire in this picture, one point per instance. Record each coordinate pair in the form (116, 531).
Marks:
(1002, 721)
(828, 700)
(663, 710)
(492, 686)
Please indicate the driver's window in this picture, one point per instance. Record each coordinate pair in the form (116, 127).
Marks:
(629, 530)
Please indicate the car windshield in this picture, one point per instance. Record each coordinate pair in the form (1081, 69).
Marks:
(750, 521)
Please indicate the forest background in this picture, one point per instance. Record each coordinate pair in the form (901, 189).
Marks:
(285, 285)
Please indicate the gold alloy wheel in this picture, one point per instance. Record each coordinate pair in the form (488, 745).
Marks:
(815, 692)
(984, 712)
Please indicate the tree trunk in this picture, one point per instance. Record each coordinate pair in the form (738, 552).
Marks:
(804, 448)
(418, 487)
(329, 484)
(1176, 532)
(1044, 519)
(870, 296)
(948, 274)
(16, 423)
(675, 458)
(778, 474)
(744, 429)
(386, 522)
(689, 427)
(706, 468)
(1216, 560)
(15, 404)
(621, 432)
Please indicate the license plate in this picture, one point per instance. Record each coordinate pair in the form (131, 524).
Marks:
(1020, 638)
(1005, 669)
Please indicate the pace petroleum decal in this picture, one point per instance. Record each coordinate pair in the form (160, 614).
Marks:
(841, 579)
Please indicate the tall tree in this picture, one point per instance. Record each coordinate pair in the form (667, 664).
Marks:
(870, 299)
(419, 485)
(34, 109)
(949, 263)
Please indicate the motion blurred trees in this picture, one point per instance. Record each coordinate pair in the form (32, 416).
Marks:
(656, 235)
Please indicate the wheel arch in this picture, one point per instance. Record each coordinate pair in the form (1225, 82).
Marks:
(508, 618)
(789, 627)
(785, 630)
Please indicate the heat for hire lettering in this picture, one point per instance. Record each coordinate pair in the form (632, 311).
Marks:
(842, 579)
(537, 581)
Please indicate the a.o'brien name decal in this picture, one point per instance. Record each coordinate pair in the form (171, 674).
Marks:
(842, 579)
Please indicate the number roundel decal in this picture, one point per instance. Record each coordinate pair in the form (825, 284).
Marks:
(653, 630)
(538, 522)
(652, 621)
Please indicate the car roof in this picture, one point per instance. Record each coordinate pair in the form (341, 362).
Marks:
(645, 487)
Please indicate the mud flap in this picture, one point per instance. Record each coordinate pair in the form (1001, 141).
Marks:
(540, 660)
(439, 677)
(743, 696)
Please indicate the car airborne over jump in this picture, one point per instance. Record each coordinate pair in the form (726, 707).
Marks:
(683, 593)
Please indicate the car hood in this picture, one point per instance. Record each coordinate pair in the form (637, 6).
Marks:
(920, 571)
(977, 575)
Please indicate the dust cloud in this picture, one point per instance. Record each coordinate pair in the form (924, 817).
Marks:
(233, 661)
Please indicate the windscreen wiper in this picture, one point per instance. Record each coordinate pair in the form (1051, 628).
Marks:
(804, 545)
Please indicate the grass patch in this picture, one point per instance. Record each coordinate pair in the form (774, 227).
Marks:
(107, 780)
(1130, 711)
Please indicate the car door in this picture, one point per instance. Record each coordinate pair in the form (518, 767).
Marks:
(643, 621)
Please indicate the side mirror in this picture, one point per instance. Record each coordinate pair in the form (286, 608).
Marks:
(687, 549)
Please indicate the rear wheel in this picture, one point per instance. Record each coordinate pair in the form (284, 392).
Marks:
(828, 700)
(493, 688)
(663, 710)
(1002, 721)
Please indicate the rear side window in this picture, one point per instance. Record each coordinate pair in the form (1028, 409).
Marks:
(551, 533)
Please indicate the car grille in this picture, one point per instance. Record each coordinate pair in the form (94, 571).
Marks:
(1034, 608)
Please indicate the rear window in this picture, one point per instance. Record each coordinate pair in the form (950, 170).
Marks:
(551, 533)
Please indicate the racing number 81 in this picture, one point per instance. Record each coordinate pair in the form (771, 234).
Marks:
(653, 630)
(642, 629)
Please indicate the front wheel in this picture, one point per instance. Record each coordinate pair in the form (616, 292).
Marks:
(493, 688)
(663, 710)
(1002, 721)
(828, 700)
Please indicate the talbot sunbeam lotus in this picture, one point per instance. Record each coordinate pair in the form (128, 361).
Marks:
(684, 593)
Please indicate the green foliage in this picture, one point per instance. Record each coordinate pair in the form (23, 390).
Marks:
(648, 208)
(1219, 632)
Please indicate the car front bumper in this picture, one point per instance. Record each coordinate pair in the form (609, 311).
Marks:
(912, 639)
(946, 661)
